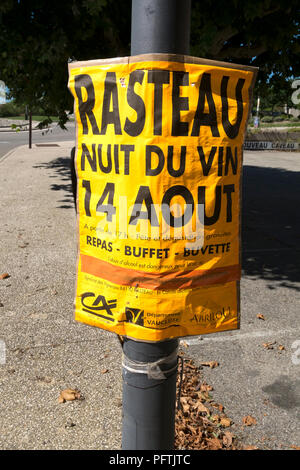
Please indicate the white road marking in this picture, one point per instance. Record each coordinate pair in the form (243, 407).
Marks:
(262, 250)
(238, 337)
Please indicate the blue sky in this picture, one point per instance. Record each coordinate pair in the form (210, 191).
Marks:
(3, 92)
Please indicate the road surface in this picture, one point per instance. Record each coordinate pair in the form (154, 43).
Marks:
(10, 140)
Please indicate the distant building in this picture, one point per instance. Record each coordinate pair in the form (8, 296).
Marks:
(2, 92)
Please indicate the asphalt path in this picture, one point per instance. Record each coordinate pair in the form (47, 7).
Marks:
(258, 372)
(11, 139)
(258, 365)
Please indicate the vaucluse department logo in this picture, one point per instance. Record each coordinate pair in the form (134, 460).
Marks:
(100, 304)
(134, 315)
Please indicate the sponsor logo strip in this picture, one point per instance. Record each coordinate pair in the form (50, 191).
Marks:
(159, 281)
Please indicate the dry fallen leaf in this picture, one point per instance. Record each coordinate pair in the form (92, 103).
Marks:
(218, 406)
(24, 245)
(227, 439)
(215, 418)
(184, 404)
(226, 422)
(295, 447)
(45, 379)
(104, 371)
(201, 408)
(4, 276)
(69, 423)
(214, 444)
(260, 316)
(198, 417)
(205, 388)
(281, 348)
(250, 448)
(211, 364)
(249, 420)
(269, 345)
(69, 395)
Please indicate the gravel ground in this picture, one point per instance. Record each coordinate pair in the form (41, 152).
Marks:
(45, 351)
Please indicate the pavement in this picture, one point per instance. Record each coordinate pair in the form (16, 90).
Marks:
(46, 351)
(252, 379)
(43, 350)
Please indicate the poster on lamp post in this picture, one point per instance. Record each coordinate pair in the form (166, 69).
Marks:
(159, 149)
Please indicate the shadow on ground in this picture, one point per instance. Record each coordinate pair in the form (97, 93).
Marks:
(284, 392)
(270, 222)
(62, 170)
(271, 225)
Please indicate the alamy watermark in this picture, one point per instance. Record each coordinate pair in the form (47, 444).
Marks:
(154, 222)
(296, 94)
(2, 92)
(296, 353)
(2, 352)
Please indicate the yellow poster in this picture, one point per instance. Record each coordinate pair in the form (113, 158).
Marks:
(158, 161)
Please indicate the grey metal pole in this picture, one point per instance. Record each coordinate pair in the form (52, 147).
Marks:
(30, 129)
(158, 26)
(149, 403)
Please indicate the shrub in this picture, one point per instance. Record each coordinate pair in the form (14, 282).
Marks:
(13, 109)
(267, 119)
(10, 109)
(279, 118)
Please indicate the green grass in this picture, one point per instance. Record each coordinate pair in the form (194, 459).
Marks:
(293, 129)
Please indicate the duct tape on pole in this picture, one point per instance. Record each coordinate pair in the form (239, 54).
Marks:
(149, 395)
(150, 369)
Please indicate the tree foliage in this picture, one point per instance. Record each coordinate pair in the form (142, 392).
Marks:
(262, 33)
(39, 37)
